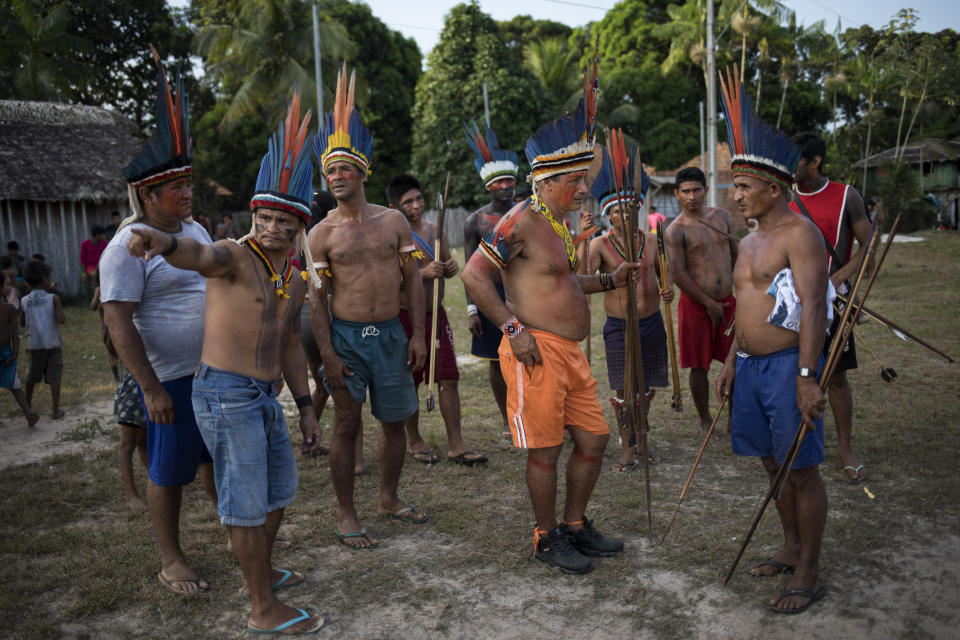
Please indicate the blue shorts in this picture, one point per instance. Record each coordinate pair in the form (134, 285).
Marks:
(765, 412)
(653, 350)
(376, 354)
(175, 450)
(243, 426)
(487, 346)
(8, 373)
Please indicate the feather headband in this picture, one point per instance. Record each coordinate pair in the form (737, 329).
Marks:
(566, 144)
(492, 162)
(756, 148)
(285, 181)
(166, 155)
(607, 189)
(342, 136)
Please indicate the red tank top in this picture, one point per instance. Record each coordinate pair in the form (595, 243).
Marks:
(826, 207)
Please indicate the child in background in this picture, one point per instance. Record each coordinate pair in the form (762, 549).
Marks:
(10, 350)
(41, 312)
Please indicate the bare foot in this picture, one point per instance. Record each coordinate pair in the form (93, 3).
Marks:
(33, 419)
(713, 436)
(281, 615)
(59, 413)
(136, 504)
(360, 469)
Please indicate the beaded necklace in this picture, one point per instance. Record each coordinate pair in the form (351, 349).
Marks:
(282, 283)
(558, 228)
(623, 250)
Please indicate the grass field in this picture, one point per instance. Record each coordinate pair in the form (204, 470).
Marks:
(75, 563)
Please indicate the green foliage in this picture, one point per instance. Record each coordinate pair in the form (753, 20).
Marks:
(122, 70)
(471, 52)
(37, 50)
(387, 71)
(231, 159)
(899, 191)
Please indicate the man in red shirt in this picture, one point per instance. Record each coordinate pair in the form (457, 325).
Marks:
(838, 211)
(90, 251)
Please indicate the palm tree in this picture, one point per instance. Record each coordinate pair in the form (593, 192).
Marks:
(39, 56)
(262, 50)
(555, 64)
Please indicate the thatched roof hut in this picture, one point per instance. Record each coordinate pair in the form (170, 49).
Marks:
(62, 168)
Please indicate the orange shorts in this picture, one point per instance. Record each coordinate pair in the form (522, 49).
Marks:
(542, 400)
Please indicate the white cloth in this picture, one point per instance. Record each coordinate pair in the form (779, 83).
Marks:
(787, 307)
(169, 316)
(41, 320)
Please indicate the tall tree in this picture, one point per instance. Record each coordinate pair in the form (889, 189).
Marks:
(555, 64)
(256, 51)
(469, 53)
(37, 52)
(387, 76)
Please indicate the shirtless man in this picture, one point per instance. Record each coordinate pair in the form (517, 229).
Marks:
(838, 211)
(498, 171)
(362, 251)
(544, 317)
(701, 262)
(234, 388)
(405, 195)
(486, 335)
(775, 367)
(607, 252)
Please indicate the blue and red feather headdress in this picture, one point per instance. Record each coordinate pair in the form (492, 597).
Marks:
(342, 137)
(285, 181)
(756, 148)
(166, 155)
(492, 162)
(615, 183)
(566, 144)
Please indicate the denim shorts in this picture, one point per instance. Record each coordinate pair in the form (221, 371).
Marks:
(253, 464)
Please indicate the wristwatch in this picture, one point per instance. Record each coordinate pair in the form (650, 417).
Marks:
(806, 372)
(512, 327)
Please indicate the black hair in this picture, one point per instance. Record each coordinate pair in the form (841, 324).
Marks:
(399, 186)
(114, 213)
(38, 257)
(690, 174)
(13, 244)
(35, 272)
(96, 230)
(811, 145)
(321, 205)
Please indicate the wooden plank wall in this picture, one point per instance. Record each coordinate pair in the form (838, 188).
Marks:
(54, 229)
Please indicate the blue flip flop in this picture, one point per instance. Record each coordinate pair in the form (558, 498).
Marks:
(342, 537)
(289, 623)
(282, 582)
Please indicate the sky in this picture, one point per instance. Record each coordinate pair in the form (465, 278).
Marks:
(422, 20)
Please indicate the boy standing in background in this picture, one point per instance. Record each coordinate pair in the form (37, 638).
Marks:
(41, 312)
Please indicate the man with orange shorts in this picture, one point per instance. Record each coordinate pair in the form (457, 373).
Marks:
(544, 317)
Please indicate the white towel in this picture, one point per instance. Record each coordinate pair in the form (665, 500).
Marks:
(787, 307)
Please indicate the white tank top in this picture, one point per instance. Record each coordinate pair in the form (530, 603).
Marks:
(42, 329)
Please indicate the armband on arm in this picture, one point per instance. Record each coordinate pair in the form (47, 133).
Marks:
(512, 327)
(606, 282)
(409, 252)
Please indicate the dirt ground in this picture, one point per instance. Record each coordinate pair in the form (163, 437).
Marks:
(75, 564)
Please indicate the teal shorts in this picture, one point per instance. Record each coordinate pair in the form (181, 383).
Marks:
(376, 354)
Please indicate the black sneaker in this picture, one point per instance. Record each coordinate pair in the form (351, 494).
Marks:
(591, 542)
(556, 548)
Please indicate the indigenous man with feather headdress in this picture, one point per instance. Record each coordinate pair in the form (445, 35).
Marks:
(154, 313)
(234, 388)
(549, 384)
(781, 319)
(358, 255)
